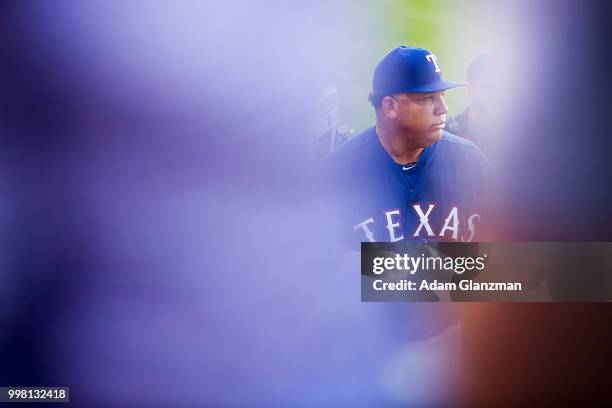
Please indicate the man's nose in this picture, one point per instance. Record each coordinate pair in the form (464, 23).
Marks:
(441, 107)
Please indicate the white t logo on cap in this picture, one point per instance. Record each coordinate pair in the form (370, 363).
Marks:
(432, 58)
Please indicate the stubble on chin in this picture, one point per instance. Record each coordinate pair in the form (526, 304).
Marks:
(434, 137)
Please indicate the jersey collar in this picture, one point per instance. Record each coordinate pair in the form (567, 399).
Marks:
(423, 158)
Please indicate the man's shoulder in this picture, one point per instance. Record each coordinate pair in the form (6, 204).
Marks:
(351, 168)
(453, 142)
(455, 149)
(356, 143)
(356, 148)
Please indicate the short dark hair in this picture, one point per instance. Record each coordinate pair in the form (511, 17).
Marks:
(375, 99)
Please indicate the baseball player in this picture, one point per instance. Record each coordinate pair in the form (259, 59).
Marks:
(406, 178)
(476, 122)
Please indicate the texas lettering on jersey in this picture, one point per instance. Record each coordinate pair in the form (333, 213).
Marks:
(454, 227)
(437, 199)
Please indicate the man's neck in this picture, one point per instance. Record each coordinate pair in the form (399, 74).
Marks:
(397, 145)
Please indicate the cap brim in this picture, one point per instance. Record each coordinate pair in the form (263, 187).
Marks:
(435, 86)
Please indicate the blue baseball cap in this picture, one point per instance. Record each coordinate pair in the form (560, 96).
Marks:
(409, 69)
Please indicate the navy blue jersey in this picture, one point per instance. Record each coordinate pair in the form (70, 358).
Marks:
(440, 198)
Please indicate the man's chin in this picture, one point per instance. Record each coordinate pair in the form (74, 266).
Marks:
(434, 136)
(426, 139)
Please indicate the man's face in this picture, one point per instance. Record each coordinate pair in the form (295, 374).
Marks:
(421, 116)
(482, 97)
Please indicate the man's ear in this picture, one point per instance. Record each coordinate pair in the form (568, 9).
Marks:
(389, 107)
